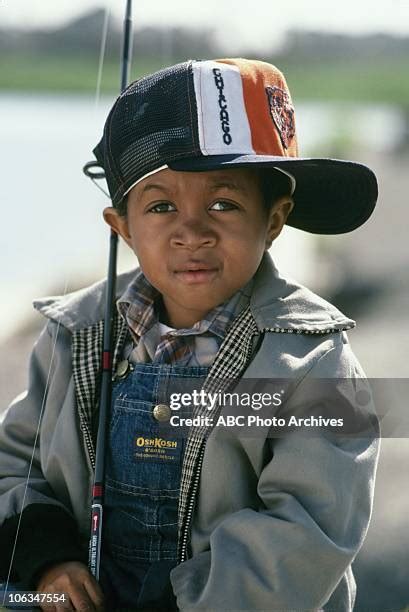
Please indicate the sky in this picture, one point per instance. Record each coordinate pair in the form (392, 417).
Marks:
(263, 26)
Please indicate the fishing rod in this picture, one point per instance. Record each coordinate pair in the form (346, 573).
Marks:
(106, 380)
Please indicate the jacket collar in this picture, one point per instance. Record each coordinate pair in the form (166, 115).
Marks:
(83, 308)
(277, 304)
(280, 304)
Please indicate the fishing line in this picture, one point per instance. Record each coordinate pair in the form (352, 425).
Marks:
(97, 98)
(33, 452)
(102, 56)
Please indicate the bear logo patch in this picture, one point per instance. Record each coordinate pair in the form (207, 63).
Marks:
(282, 113)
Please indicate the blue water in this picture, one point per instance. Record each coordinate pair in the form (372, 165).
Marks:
(53, 235)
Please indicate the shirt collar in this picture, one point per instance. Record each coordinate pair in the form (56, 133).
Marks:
(138, 306)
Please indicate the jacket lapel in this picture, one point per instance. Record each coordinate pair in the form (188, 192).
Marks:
(230, 362)
(86, 367)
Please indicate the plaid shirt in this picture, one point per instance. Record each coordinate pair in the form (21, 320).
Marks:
(193, 346)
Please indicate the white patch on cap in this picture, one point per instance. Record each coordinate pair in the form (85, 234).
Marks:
(222, 119)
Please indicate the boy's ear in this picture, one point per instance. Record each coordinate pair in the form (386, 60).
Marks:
(119, 223)
(277, 217)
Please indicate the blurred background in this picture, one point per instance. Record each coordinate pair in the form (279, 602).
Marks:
(347, 67)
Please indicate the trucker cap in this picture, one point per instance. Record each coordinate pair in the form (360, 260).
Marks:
(203, 115)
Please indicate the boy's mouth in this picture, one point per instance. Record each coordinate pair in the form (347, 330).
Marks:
(196, 272)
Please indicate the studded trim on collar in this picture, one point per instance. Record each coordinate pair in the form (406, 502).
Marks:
(301, 330)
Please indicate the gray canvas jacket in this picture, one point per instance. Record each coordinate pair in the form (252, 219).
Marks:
(264, 523)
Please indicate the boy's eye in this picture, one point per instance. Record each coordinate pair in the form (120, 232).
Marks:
(162, 207)
(223, 205)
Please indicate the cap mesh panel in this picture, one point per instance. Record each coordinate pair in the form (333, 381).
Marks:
(153, 122)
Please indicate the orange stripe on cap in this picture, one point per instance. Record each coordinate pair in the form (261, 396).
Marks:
(268, 106)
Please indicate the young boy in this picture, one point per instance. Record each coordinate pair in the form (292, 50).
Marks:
(202, 168)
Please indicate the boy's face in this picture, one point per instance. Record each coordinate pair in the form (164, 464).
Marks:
(198, 236)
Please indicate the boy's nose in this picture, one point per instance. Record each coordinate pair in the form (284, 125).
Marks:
(193, 234)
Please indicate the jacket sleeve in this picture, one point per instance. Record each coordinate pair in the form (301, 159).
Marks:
(44, 532)
(315, 496)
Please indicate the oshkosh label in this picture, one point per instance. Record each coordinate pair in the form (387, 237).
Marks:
(156, 448)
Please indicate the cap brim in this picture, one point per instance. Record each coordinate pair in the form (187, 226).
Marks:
(332, 196)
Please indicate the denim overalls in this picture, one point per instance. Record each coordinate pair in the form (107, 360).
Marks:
(143, 471)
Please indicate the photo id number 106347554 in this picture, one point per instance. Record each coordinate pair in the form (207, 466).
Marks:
(32, 598)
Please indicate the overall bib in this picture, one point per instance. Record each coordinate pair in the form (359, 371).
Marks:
(143, 471)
